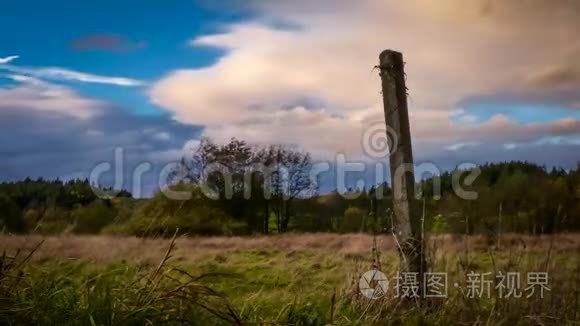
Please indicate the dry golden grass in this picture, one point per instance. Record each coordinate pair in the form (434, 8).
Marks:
(280, 279)
(108, 248)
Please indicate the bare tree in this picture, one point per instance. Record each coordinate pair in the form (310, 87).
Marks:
(193, 167)
(289, 180)
(260, 180)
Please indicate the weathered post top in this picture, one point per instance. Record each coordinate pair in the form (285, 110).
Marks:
(391, 56)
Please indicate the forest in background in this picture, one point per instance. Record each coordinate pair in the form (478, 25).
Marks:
(518, 197)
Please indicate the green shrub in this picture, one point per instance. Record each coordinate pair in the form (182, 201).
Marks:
(353, 220)
(31, 218)
(92, 218)
(439, 224)
(51, 227)
(10, 215)
(161, 216)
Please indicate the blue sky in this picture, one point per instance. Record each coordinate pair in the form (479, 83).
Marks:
(481, 111)
(79, 79)
(46, 32)
(53, 26)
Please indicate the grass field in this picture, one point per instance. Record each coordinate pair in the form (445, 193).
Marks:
(292, 279)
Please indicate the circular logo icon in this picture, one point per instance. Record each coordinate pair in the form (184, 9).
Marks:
(378, 140)
(373, 284)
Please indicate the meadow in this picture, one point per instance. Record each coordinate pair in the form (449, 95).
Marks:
(289, 279)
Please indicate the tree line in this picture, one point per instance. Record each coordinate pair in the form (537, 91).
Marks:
(263, 190)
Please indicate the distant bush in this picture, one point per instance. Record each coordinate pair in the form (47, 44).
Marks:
(51, 227)
(353, 220)
(312, 223)
(161, 216)
(92, 218)
(439, 224)
(10, 215)
(31, 218)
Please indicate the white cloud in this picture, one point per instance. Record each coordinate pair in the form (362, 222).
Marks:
(458, 146)
(60, 74)
(35, 94)
(8, 59)
(454, 50)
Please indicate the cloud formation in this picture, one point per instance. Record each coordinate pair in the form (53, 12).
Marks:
(263, 88)
(300, 72)
(63, 74)
(51, 131)
(31, 94)
(8, 59)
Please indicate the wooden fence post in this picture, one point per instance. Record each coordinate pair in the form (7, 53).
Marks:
(408, 222)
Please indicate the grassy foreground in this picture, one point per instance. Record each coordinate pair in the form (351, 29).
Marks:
(293, 279)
